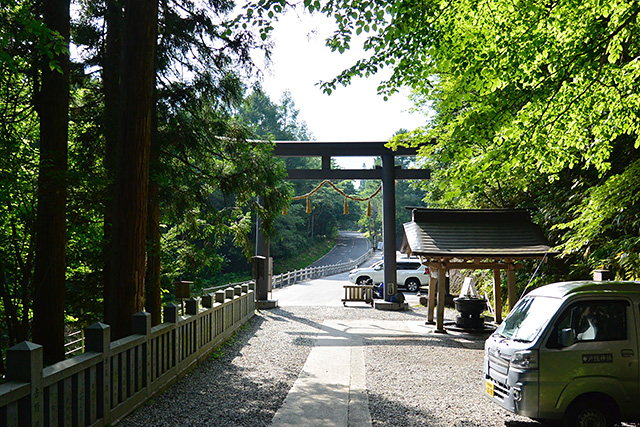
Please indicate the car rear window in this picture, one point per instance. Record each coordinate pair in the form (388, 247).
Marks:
(408, 265)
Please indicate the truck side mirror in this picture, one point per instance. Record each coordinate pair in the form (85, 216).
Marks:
(567, 337)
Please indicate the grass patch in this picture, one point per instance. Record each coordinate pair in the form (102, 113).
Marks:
(304, 259)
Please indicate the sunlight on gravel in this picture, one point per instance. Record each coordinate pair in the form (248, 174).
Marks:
(428, 380)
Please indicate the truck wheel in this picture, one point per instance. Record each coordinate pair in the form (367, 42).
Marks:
(412, 285)
(361, 280)
(590, 412)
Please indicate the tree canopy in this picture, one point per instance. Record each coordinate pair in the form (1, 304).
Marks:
(536, 105)
(205, 172)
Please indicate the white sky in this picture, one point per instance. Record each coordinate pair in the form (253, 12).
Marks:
(300, 59)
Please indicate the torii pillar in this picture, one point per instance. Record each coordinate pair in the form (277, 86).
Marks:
(389, 226)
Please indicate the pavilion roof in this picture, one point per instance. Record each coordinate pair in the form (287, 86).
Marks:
(466, 234)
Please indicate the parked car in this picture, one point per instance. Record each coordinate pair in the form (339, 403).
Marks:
(569, 351)
(411, 274)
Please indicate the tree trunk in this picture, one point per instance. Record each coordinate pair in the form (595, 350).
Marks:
(111, 85)
(126, 289)
(153, 298)
(52, 104)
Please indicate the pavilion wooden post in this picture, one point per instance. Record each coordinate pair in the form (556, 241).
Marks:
(511, 283)
(497, 295)
(431, 303)
(442, 278)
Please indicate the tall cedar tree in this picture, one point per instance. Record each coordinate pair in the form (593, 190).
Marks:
(52, 104)
(153, 291)
(126, 287)
(110, 79)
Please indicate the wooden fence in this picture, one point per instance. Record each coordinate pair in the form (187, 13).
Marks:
(310, 273)
(111, 379)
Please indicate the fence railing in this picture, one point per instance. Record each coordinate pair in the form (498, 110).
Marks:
(75, 340)
(111, 379)
(310, 273)
(205, 291)
(74, 343)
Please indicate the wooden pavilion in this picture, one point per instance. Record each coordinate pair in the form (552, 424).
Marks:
(493, 239)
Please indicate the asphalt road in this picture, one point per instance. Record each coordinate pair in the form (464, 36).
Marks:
(328, 291)
(350, 245)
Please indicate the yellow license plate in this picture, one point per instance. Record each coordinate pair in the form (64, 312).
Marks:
(488, 387)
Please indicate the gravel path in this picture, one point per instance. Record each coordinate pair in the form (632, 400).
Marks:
(429, 380)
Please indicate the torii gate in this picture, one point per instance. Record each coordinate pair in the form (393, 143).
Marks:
(388, 174)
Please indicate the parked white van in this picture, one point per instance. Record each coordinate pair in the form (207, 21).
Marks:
(569, 351)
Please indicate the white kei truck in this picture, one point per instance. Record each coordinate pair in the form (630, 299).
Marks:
(569, 352)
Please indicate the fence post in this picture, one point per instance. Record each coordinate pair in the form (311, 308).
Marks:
(192, 306)
(171, 316)
(210, 331)
(24, 364)
(171, 313)
(220, 296)
(98, 339)
(141, 324)
(207, 300)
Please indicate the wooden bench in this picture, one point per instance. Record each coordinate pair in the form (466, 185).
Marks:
(363, 293)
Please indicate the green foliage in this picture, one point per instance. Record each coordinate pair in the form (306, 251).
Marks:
(301, 260)
(606, 223)
(211, 177)
(408, 194)
(85, 203)
(536, 106)
(270, 121)
(296, 231)
(24, 37)
(210, 174)
(371, 225)
(18, 172)
(23, 40)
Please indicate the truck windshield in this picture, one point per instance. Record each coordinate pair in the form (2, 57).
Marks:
(528, 318)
